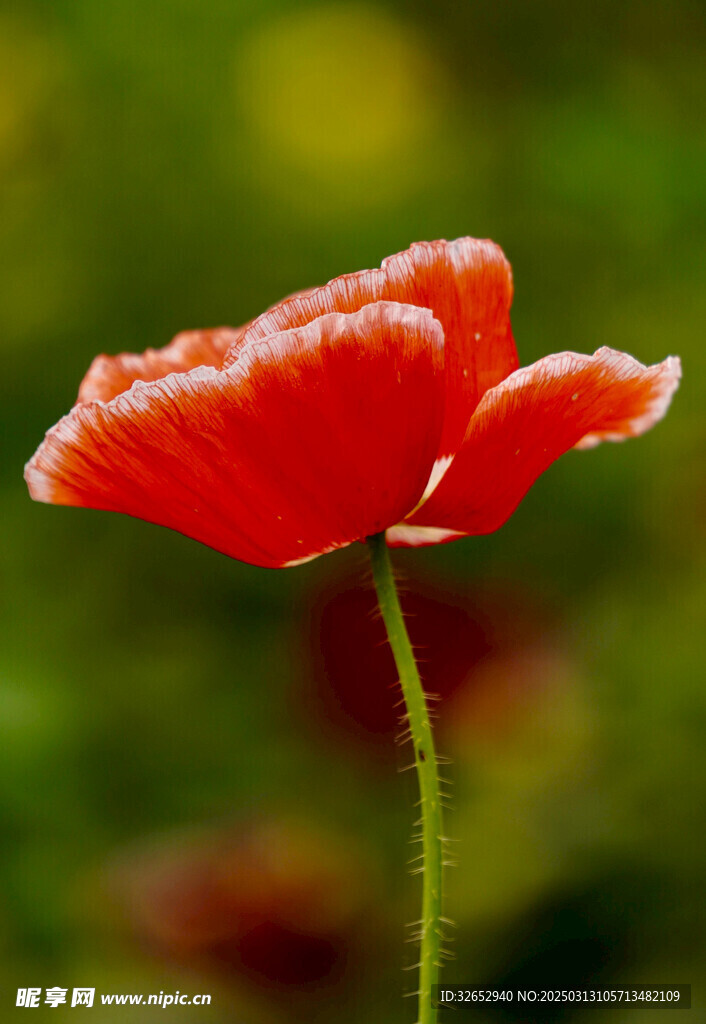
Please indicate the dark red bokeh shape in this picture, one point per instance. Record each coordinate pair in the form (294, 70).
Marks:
(350, 677)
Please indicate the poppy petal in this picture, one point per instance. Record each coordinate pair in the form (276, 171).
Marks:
(467, 284)
(529, 420)
(315, 437)
(109, 376)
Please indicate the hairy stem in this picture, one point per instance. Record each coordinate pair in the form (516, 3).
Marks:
(425, 758)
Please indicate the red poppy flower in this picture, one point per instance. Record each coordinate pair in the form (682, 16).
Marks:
(388, 399)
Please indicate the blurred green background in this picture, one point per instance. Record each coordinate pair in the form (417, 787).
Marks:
(196, 791)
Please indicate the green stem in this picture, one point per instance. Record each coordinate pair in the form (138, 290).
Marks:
(425, 758)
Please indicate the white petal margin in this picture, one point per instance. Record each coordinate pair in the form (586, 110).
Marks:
(438, 471)
(317, 554)
(406, 535)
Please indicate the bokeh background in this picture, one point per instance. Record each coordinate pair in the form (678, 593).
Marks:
(199, 785)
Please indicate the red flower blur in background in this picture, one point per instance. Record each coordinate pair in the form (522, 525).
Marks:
(388, 399)
(275, 906)
(349, 671)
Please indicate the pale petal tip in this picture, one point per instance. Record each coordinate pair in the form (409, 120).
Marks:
(40, 486)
